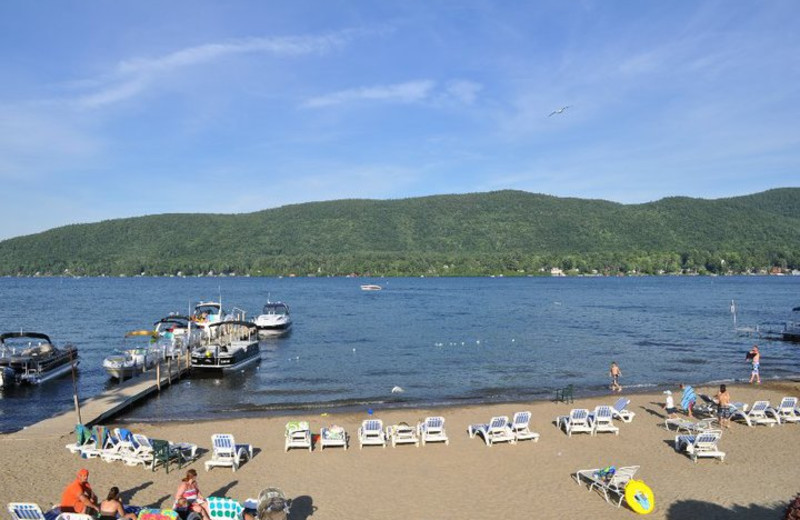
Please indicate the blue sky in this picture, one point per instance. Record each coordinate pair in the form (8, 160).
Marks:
(128, 108)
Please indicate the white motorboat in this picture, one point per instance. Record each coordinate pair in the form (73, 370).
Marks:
(235, 345)
(31, 358)
(274, 320)
(371, 287)
(132, 361)
(207, 313)
(176, 335)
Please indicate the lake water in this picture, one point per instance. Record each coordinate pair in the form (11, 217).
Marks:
(445, 341)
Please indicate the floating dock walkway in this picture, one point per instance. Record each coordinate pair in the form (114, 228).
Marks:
(102, 407)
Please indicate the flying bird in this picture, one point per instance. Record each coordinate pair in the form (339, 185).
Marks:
(559, 111)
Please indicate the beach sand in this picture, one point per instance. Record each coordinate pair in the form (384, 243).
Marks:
(463, 480)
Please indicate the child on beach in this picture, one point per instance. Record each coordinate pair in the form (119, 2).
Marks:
(615, 374)
(669, 405)
(723, 399)
(755, 357)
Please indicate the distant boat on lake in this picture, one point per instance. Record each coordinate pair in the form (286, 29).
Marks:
(371, 287)
(30, 357)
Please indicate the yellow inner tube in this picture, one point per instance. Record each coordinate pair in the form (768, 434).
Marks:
(639, 497)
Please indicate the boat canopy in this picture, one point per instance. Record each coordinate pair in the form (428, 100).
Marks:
(177, 320)
(33, 335)
(240, 323)
(275, 308)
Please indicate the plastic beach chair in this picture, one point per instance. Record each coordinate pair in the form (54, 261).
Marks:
(496, 430)
(225, 452)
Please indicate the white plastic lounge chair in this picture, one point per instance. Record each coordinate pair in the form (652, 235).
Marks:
(496, 430)
(681, 424)
(75, 516)
(371, 433)
(602, 420)
(787, 411)
(703, 444)
(119, 445)
(619, 411)
(612, 488)
(142, 452)
(332, 436)
(83, 438)
(25, 511)
(432, 430)
(298, 435)
(520, 426)
(760, 413)
(402, 433)
(576, 422)
(225, 452)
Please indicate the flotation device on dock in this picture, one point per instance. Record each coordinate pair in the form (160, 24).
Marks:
(639, 497)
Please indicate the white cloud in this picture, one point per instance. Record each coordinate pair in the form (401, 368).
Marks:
(463, 91)
(408, 92)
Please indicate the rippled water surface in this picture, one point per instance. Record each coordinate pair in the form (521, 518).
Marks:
(443, 340)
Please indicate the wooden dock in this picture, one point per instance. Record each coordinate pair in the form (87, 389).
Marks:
(103, 407)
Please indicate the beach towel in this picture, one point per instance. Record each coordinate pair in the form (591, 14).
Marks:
(334, 433)
(689, 397)
(220, 508)
(157, 514)
(294, 426)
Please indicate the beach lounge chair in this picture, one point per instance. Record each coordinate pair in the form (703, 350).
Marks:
(609, 484)
(402, 433)
(142, 452)
(619, 411)
(119, 444)
(225, 452)
(432, 430)
(75, 516)
(760, 413)
(371, 433)
(576, 422)
(25, 511)
(602, 420)
(787, 411)
(681, 424)
(83, 437)
(520, 426)
(703, 444)
(298, 435)
(332, 436)
(496, 430)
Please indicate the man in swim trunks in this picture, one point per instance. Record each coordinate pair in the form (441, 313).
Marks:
(78, 496)
(723, 399)
(615, 373)
(755, 358)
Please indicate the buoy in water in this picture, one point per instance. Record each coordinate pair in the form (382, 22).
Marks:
(397, 390)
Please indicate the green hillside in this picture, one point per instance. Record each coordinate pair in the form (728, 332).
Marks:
(508, 232)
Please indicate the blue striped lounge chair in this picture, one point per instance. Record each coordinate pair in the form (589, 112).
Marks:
(496, 430)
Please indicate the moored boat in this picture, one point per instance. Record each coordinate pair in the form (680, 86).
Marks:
(31, 358)
(274, 320)
(371, 287)
(791, 331)
(133, 360)
(235, 345)
(176, 335)
(207, 313)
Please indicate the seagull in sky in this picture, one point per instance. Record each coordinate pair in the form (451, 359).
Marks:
(559, 111)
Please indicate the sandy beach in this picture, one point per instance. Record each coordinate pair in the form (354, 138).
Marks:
(465, 479)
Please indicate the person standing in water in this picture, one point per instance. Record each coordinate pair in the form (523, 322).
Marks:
(615, 374)
(754, 357)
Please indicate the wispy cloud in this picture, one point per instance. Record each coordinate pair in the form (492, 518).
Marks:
(133, 76)
(456, 91)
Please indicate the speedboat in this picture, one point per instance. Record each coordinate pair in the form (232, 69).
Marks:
(371, 287)
(177, 335)
(274, 320)
(134, 360)
(206, 313)
(235, 345)
(31, 358)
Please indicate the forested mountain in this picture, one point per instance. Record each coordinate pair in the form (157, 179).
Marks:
(503, 232)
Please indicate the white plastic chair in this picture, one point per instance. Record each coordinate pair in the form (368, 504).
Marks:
(612, 489)
(520, 426)
(402, 433)
(758, 414)
(225, 452)
(576, 422)
(787, 411)
(703, 444)
(332, 436)
(432, 430)
(25, 511)
(602, 420)
(371, 433)
(496, 430)
(619, 411)
(298, 435)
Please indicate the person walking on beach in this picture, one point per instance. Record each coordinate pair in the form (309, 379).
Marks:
(723, 399)
(669, 405)
(754, 356)
(615, 374)
(78, 496)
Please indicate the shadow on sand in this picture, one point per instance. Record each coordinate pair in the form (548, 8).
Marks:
(686, 509)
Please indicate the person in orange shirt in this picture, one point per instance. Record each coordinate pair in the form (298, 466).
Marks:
(78, 496)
